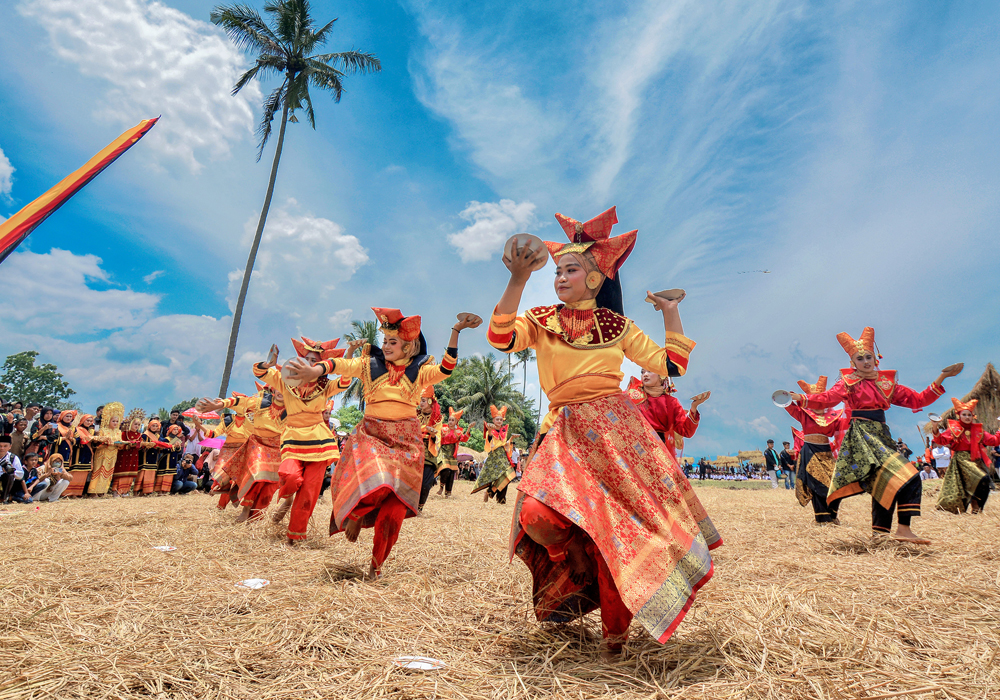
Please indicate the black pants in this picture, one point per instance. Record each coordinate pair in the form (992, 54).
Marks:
(428, 483)
(11, 488)
(448, 479)
(907, 503)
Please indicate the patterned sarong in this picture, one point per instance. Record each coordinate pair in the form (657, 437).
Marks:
(103, 469)
(497, 471)
(869, 463)
(602, 467)
(964, 479)
(226, 453)
(379, 454)
(813, 472)
(448, 457)
(256, 460)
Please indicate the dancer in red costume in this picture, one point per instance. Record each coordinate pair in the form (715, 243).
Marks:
(868, 461)
(663, 412)
(604, 517)
(967, 481)
(451, 437)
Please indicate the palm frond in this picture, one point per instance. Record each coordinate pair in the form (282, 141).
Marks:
(245, 27)
(326, 78)
(351, 61)
(319, 37)
(271, 105)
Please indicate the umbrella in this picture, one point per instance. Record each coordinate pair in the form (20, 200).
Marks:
(190, 413)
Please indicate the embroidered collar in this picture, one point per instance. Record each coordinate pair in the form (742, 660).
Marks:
(606, 329)
(380, 367)
(885, 381)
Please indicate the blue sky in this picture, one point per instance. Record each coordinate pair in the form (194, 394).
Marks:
(850, 148)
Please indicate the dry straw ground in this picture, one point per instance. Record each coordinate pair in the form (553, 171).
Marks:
(90, 609)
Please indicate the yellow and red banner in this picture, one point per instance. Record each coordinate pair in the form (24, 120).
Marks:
(18, 227)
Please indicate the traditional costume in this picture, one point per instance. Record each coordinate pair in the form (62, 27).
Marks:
(170, 457)
(150, 453)
(82, 460)
(106, 451)
(868, 461)
(498, 468)
(127, 463)
(451, 438)
(815, 464)
(598, 476)
(254, 467)
(967, 479)
(236, 433)
(67, 436)
(664, 413)
(307, 444)
(430, 428)
(378, 479)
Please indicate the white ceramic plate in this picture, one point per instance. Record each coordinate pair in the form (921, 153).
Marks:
(526, 239)
(419, 663)
(782, 398)
(935, 417)
(287, 379)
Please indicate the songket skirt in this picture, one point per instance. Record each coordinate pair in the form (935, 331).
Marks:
(869, 463)
(448, 457)
(602, 467)
(965, 479)
(813, 472)
(378, 455)
(254, 462)
(497, 472)
(103, 469)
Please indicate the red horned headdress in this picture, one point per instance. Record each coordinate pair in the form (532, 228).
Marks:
(594, 237)
(817, 388)
(452, 413)
(393, 323)
(964, 406)
(494, 411)
(864, 343)
(326, 350)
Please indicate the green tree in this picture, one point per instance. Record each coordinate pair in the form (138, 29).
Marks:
(523, 358)
(42, 384)
(184, 405)
(485, 384)
(360, 330)
(284, 47)
(349, 416)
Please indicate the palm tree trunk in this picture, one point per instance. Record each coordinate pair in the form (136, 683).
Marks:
(238, 314)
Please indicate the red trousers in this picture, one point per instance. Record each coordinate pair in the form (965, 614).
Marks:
(228, 494)
(388, 522)
(259, 497)
(304, 481)
(554, 532)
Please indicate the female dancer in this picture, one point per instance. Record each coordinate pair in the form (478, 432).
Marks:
(967, 481)
(82, 460)
(451, 437)
(127, 463)
(67, 435)
(169, 459)
(236, 433)
(429, 415)
(106, 449)
(377, 481)
(868, 460)
(150, 451)
(260, 457)
(498, 469)
(815, 464)
(605, 517)
(663, 412)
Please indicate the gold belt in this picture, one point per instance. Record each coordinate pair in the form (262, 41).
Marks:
(816, 439)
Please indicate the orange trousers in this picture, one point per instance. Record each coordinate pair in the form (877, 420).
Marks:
(259, 497)
(228, 495)
(554, 532)
(388, 522)
(304, 481)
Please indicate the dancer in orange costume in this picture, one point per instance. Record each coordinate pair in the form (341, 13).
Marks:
(260, 457)
(605, 517)
(429, 415)
(967, 481)
(663, 412)
(498, 468)
(236, 433)
(377, 481)
(451, 437)
(868, 460)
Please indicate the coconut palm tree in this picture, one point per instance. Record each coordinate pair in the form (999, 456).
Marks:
(361, 330)
(523, 358)
(487, 384)
(284, 48)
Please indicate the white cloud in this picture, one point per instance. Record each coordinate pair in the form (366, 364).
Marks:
(301, 260)
(490, 225)
(155, 274)
(6, 177)
(762, 426)
(49, 292)
(155, 60)
(342, 319)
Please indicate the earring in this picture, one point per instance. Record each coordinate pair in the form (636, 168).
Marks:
(594, 280)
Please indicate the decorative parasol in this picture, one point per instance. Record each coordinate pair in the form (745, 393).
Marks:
(191, 413)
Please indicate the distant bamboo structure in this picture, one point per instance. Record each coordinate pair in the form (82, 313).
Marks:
(987, 390)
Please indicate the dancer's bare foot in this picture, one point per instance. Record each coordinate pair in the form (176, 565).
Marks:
(580, 565)
(242, 517)
(352, 530)
(976, 508)
(486, 496)
(905, 534)
(282, 510)
(610, 656)
(836, 521)
(372, 574)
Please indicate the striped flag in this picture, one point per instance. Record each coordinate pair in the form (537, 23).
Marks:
(18, 227)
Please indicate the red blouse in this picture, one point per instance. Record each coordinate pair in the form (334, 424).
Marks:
(450, 437)
(968, 438)
(816, 424)
(859, 394)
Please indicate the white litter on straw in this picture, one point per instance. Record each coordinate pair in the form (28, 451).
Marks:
(419, 663)
(165, 548)
(253, 583)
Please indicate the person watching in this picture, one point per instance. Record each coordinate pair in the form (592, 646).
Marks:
(12, 486)
(928, 473)
(53, 479)
(186, 478)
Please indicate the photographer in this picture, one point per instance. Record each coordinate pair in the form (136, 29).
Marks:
(53, 479)
(12, 477)
(186, 478)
